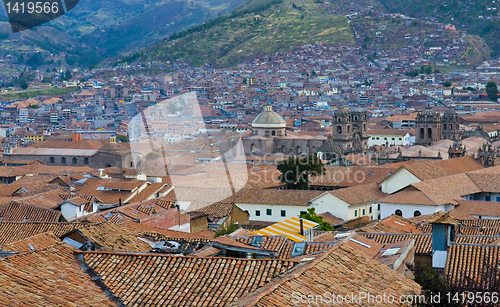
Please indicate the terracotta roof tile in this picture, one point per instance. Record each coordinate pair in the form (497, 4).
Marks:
(359, 194)
(17, 212)
(341, 270)
(160, 280)
(467, 266)
(423, 242)
(48, 277)
(11, 232)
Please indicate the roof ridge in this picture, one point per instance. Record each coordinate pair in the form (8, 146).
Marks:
(118, 253)
(281, 279)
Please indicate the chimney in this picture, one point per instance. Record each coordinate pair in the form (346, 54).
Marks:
(443, 235)
(76, 137)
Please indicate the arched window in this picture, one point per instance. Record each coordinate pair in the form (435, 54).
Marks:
(417, 213)
(444, 126)
(422, 133)
(348, 129)
(51, 160)
(364, 127)
(131, 164)
(86, 161)
(299, 150)
(108, 165)
(63, 160)
(273, 133)
(429, 133)
(74, 161)
(339, 129)
(355, 118)
(398, 212)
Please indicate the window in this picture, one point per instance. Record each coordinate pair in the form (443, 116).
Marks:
(498, 198)
(355, 213)
(51, 160)
(339, 129)
(303, 212)
(269, 212)
(487, 198)
(417, 213)
(370, 210)
(283, 213)
(385, 139)
(257, 212)
(74, 161)
(393, 139)
(400, 139)
(378, 207)
(398, 212)
(364, 212)
(63, 160)
(86, 161)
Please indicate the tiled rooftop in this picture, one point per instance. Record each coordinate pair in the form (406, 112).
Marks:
(158, 280)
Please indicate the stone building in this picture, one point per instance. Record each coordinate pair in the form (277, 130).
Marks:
(451, 125)
(110, 155)
(269, 136)
(428, 127)
(431, 127)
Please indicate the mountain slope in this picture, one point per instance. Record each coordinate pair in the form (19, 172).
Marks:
(480, 17)
(115, 26)
(256, 26)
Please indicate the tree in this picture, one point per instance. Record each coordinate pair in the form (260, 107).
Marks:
(226, 230)
(67, 75)
(295, 172)
(122, 138)
(313, 217)
(244, 81)
(447, 84)
(428, 70)
(23, 84)
(492, 90)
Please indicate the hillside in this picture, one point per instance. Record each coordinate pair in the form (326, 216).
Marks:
(480, 17)
(256, 26)
(113, 26)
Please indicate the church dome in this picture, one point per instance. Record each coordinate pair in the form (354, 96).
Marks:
(269, 119)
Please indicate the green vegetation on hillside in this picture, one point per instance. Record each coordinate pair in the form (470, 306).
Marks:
(269, 27)
(477, 18)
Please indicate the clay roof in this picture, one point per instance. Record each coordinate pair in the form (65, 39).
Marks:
(48, 277)
(359, 194)
(17, 212)
(341, 270)
(423, 242)
(426, 170)
(340, 176)
(35, 242)
(148, 279)
(11, 232)
(473, 267)
(274, 197)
